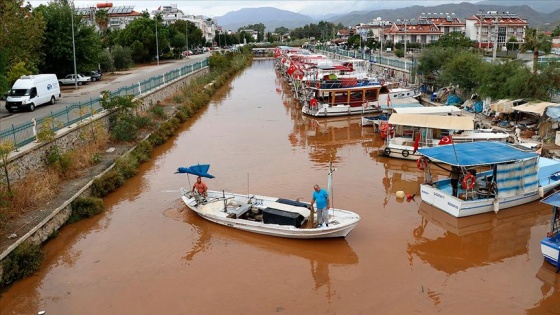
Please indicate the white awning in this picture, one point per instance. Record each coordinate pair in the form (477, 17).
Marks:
(535, 108)
(433, 121)
(429, 110)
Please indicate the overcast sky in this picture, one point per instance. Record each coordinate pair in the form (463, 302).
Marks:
(307, 7)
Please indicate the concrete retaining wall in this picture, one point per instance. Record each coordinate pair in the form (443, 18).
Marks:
(34, 158)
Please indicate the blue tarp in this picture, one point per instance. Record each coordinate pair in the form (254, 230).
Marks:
(475, 153)
(453, 100)
(198, 170)
(553, 200)
(553, 112)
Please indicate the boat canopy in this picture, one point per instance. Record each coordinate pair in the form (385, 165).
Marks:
(431, 110)
(432, 121)
(553, 200)
(476, 153)
(535, 108)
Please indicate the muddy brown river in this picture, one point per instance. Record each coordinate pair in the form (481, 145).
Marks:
(147, 254)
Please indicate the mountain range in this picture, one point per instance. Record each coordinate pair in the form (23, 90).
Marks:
(273, 17)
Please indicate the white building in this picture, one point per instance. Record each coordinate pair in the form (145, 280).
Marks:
(171, 14)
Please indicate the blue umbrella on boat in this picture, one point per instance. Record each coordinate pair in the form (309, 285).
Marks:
(198, 170)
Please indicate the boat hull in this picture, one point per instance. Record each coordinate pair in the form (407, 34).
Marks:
(550, 248)
(341, 221)
(461, 208)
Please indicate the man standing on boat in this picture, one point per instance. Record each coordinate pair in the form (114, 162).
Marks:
(321, 197)
(455, 173)
(200, 187)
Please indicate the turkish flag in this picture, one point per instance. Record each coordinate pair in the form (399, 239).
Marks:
(291, 69)
(445, 140)
(416, 143)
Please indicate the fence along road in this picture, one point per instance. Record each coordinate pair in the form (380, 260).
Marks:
(75, 105)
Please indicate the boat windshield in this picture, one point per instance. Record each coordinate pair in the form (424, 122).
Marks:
(20, 92)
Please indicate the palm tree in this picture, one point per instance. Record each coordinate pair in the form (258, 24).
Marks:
(536, 41)
(101, 19)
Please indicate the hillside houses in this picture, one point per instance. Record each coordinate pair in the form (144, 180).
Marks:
(486, 29)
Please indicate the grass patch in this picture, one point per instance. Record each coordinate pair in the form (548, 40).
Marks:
(21, 262)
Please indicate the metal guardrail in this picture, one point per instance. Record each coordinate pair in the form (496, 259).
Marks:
(397, 63)
(24, 133)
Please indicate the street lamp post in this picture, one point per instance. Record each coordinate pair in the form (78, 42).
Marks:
(157, 43)
(187, 36)
(74, 48)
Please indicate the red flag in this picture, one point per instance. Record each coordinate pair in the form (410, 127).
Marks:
(445, 140)
(291, 69)
(389, 99)
(416, 143)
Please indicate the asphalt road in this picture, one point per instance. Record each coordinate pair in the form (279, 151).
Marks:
(92, 90)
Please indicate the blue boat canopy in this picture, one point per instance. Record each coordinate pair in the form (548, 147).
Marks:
(476, 153)
(553, 200)
(198, 170)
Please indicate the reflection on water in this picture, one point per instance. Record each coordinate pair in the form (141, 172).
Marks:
(321, 254)
(476, 240)
(550, 302)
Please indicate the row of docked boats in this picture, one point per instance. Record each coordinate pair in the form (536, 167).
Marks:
(493, 174)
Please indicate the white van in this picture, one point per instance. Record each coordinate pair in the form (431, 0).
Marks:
(30, 91)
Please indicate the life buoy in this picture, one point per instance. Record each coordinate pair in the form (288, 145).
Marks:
(468, 181)
(382, 82)
(318, 84)
(387, 151)
(383, 126)
(421, 163)
(313, 103)
(405, 153)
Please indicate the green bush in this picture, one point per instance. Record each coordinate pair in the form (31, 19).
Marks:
(61, 162)
(124, 129)
(107, 183)
(87, 207)
(21, 262)
(143, 151)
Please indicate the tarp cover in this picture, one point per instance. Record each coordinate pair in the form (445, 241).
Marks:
(435, 110)
(475, 153)
(433, 121)
(553, 200)
(553, 112)
(535, 108)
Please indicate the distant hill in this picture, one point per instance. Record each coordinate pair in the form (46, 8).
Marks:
(270, 17)
(462, 10)
(273, 18)
(543, 6)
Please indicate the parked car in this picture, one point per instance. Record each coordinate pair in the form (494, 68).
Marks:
(71, 79)
(94, 74)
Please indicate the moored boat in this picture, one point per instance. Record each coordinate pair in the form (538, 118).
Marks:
(494, 176)
(550, 245)
(414, 128)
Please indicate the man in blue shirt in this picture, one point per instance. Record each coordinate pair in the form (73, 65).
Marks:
(321, 197)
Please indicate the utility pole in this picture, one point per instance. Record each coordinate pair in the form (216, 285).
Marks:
(495, 40)
(74, 47)
(405, 38)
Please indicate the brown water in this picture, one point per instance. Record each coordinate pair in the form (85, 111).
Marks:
(148, 255)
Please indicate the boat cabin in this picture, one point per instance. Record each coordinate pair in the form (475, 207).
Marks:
(354, 96)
